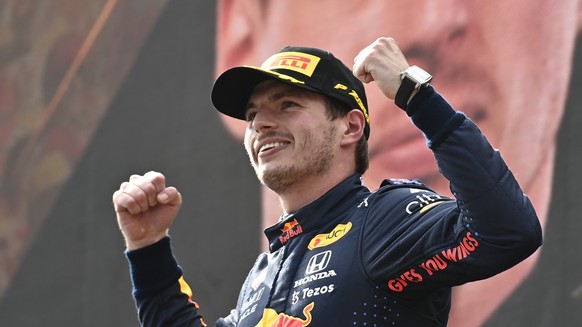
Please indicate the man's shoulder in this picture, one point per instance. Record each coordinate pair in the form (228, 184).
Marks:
(396, 192)
(401, 183)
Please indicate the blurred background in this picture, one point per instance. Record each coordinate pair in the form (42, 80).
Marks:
(94, 91)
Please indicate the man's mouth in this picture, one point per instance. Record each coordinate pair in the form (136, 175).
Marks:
(269, 146)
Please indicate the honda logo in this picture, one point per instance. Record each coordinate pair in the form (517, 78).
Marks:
(318, 262)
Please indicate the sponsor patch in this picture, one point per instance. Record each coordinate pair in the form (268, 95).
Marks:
(273, 319)
(296, 61)
(434, 265)
(290, 230)
(318, 262)
(335, 235)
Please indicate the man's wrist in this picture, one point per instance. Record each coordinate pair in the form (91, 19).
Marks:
(415, 92)
(133, 245)
(413, 79)
(153, 267)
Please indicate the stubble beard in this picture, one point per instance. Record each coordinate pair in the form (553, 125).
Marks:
(285, 176)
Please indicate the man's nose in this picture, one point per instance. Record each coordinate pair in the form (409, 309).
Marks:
(264, 119)
(441, 29)
(441, 19)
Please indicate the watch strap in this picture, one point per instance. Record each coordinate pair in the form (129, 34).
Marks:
(404, 92)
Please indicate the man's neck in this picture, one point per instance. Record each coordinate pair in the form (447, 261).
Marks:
(308, 190)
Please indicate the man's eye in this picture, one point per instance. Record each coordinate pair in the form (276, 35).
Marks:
(250, 116)
(288, 104)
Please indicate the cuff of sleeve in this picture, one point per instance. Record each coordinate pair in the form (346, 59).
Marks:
(433, 115)
(153, 268)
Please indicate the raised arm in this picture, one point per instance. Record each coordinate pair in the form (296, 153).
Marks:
(489, 202)
(145, 209)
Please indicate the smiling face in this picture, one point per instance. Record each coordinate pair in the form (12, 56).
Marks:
(506, 65)
(289, 136)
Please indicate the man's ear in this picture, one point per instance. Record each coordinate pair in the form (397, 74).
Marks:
(237, 29)
(355, 122)
(238, 25)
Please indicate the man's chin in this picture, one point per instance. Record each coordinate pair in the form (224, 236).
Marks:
(278, 178)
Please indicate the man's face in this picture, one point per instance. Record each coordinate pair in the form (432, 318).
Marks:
(505, 64)
(289, 135)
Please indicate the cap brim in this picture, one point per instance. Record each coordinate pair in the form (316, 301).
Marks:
(232, 89)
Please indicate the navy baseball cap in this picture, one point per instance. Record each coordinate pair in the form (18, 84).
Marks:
(312, 69)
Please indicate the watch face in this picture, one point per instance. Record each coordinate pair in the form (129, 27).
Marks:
(418, 75)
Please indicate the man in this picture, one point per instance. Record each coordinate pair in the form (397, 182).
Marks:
(488, 57)
(341, 255)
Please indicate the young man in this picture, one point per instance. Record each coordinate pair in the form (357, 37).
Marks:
(341, 255)
(488, 58)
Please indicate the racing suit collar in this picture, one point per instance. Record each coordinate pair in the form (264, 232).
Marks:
(318, 213)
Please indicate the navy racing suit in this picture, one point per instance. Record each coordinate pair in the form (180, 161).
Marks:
(359, 258)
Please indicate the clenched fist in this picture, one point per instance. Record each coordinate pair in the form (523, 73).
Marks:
(382, 61)
(145, 209)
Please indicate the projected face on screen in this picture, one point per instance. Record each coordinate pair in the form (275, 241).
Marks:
(506, 65)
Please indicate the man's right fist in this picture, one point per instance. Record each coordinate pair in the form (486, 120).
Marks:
(145, 209)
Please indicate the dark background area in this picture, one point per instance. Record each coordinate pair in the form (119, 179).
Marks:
(552, 294)
(75, 273)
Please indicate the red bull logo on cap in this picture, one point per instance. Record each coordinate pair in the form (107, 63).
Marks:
(273, 319)
(296, 61)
